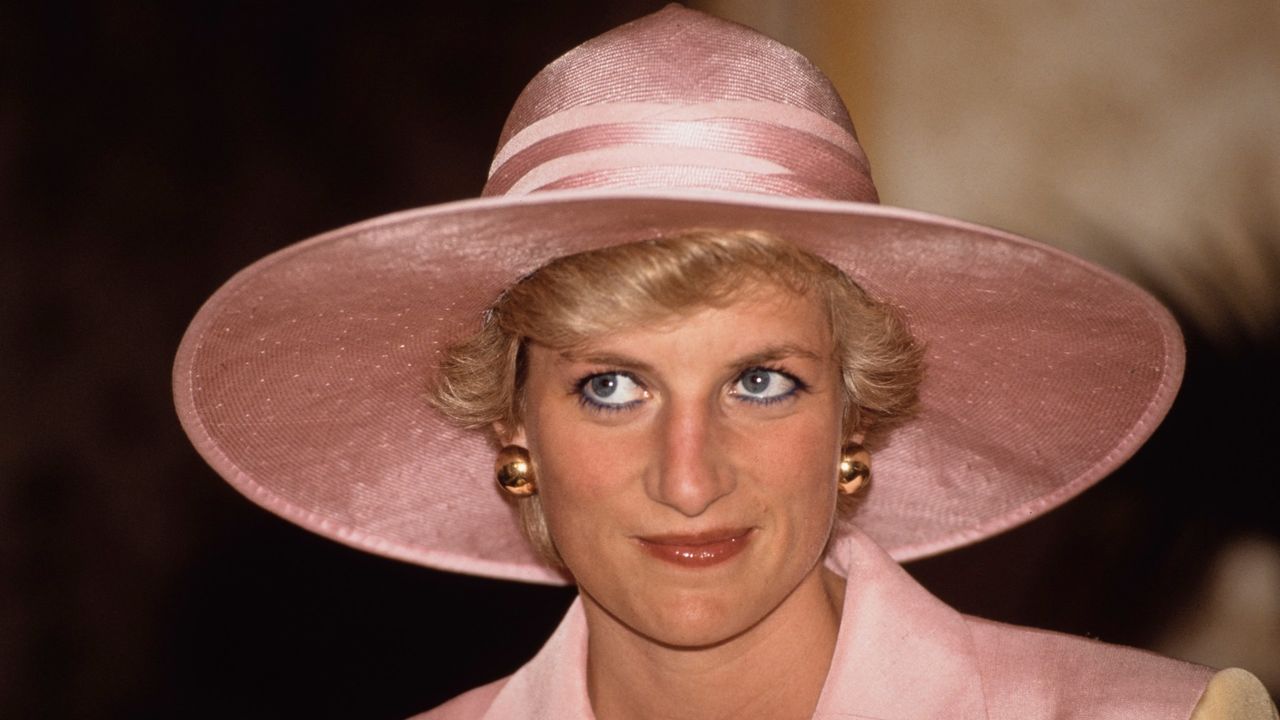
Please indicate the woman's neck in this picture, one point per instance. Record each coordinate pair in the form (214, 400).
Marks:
(774, 669)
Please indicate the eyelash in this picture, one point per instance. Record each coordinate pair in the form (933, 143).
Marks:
(798, 386)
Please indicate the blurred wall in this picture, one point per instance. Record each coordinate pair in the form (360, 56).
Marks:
(1142, 135)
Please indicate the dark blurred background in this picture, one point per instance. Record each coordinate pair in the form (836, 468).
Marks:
(149, 152)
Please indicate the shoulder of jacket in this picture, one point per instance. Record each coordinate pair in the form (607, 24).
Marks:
(1235, 694)
(1031, 673)
(467, 706)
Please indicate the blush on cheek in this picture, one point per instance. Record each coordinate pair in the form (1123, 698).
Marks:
(800, 458)
(570, 508)
(567, 534)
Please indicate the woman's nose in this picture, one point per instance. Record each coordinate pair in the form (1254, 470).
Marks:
(692, 474)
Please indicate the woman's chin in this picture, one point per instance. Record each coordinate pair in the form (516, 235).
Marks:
(690, 620)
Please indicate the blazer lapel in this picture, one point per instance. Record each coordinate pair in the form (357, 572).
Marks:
(901, 654)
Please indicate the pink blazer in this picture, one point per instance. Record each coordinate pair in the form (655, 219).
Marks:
(901, 654)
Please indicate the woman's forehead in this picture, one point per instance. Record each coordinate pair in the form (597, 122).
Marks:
(758, 294)
(763, 319)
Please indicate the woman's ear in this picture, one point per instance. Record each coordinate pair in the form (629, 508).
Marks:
(857, 436)
(508, 435)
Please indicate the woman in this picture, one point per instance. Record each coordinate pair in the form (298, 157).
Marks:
(684, 367)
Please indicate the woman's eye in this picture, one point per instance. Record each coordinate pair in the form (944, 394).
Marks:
(611, 390)
(762, 384)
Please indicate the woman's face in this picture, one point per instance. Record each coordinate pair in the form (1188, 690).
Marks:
(687, 470)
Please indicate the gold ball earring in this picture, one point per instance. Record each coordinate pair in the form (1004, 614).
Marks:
(855, 468)
(514, 469)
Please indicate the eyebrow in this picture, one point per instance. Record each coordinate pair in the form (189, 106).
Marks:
(771, 353)
(609, 359)
(774, 353)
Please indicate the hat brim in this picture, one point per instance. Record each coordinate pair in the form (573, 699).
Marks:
(304, 380)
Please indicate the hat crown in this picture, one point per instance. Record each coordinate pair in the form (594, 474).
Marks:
(682, 99)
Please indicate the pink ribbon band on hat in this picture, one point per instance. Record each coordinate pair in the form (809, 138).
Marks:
(623, 112)
(740, 146)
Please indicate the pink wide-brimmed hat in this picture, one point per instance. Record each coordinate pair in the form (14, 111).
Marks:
(304, 380)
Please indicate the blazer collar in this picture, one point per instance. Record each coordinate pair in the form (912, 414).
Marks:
(901, 653)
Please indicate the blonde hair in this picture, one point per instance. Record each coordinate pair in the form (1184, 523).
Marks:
(577, 297)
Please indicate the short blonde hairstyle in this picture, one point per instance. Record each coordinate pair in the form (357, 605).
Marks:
(577, 297)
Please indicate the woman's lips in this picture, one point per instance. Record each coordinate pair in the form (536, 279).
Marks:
(697, 550)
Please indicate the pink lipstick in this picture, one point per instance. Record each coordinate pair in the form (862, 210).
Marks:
(698, 549)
